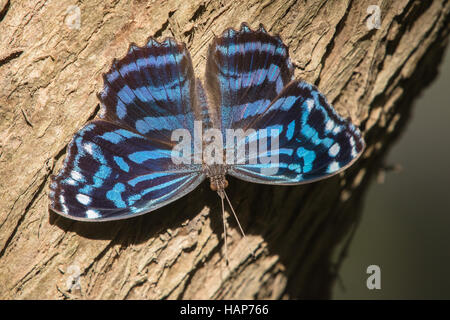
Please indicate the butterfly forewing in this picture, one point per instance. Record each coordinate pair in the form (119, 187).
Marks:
(110, 173)
(314, 142)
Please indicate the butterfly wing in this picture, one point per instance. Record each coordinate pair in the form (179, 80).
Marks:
(120, 165)
(245, 71)
(151, 90)
(314, 142)
(249, 76)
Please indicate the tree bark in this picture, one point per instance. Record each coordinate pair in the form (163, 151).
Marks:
(50, 72)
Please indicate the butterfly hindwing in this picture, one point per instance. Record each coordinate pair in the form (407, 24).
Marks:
(110, 173)
(314, 142)
(151, 90)
(245, 70)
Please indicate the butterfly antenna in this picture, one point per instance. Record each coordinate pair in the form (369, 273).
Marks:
(234, 213)
(224, 228)
(239, 224)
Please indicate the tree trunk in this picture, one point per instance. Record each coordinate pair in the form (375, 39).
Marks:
(50, 71)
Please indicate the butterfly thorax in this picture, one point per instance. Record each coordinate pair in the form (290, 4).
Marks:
(216, 174)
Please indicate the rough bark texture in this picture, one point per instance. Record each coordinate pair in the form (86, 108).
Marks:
(49, 77)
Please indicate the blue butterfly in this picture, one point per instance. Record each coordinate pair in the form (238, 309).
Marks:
(120, 165)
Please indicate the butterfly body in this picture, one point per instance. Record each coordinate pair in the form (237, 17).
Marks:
(121, 165)
(216, 174)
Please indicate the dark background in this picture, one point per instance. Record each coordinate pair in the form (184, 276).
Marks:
(405, 225)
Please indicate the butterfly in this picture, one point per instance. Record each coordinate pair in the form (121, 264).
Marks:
(120, 165)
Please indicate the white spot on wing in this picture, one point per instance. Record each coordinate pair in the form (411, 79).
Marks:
(352, 143)
(71, 181)
(333, 167)
(62, 201)
(329, 125)
(334, 150)
(76, 175)
(83, 199)
(337, 129)
(309, 104)
(92, 214)
(88, 148)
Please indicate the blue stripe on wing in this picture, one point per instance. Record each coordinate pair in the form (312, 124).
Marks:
(151, 90)
(112, 173)
(314, 141)
(245, 71)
